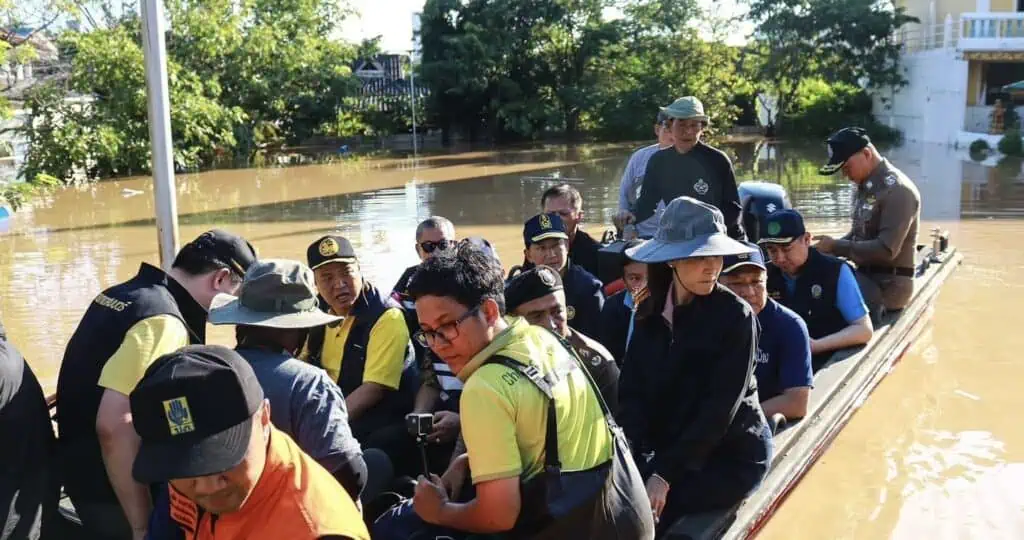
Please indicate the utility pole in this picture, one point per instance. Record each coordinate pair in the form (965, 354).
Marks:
(157, 96)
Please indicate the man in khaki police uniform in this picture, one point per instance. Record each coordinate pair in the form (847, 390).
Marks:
(886, 212)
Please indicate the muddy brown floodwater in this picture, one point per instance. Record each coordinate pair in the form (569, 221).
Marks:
(936, 452)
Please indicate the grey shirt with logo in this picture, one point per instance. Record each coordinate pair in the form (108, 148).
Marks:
(632, 182)
(886, 215)
(307, 405)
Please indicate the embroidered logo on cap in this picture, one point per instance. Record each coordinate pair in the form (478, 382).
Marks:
(328, 247)
(701, 186)
(547, 277)
(545, 221)
(771, 208)
(829, 148)
(774, 228)
(179, 417)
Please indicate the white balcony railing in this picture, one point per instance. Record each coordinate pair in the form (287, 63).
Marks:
(998, 31)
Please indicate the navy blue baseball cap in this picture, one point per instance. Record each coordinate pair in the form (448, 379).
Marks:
(842, 145)
(731, 263)
(782, 227)
(542, 227)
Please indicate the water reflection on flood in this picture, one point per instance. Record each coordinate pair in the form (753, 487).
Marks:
(939, 431)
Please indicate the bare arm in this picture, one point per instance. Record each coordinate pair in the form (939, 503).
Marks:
(792, 403)
(119, 444)
(857, 333)
(426, 398)
(364, 398)
(495, 508)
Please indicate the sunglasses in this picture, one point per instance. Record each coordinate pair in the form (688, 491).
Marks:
(430, 247)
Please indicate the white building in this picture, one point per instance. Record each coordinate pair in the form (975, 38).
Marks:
(957, 60)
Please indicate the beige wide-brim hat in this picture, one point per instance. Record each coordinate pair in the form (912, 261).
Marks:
(274, 294)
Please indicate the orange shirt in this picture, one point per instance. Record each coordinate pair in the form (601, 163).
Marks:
(295, 498)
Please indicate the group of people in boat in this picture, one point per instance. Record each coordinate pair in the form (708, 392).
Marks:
(463, 403)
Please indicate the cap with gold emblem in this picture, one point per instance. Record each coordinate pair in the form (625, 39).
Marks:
(193, 410)
(542, 227)
(531, 284)
(330, 249)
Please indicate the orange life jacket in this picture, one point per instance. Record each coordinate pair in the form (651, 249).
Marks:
(295, 498)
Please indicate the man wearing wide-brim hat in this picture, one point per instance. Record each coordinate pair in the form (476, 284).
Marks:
(687, 390)
(275, 308)
(690, 168)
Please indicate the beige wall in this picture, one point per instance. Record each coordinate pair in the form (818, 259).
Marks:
(975, 72)
(919, 8)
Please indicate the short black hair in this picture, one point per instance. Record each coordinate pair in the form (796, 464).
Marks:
(196, 263)
(466, 274)
(562, 190)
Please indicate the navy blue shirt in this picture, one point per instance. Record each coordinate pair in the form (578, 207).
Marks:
(783, 351)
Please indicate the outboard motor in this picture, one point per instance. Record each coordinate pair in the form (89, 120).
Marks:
(759, 199)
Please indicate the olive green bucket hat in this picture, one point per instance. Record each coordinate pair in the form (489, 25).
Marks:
(686, 108)
(276, 294)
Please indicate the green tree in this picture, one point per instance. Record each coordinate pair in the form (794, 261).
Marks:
(840, 41)
(242, 77)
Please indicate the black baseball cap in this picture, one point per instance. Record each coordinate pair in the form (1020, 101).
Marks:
(531, 284)
(228, 249)
(542, 227)
(731, 263)
(193, 411)
(842, 145)
(328, 249)
(782, 227)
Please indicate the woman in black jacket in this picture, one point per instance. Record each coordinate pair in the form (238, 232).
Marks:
(687, 390)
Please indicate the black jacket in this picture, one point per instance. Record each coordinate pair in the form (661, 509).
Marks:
(688, 392)
(583, 252)
(615, 325)
(28, 489)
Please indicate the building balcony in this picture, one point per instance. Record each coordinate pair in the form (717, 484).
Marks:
(991, 32)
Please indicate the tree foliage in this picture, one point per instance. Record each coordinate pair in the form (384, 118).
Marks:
(840, 41)
(242, 76)
(516, 69)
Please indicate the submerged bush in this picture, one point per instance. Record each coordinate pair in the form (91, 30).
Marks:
(1011, 144)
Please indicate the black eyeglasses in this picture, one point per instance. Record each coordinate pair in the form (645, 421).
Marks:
(447, 331)
(430, 247)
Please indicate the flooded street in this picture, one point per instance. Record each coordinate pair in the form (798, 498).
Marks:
(936, 452)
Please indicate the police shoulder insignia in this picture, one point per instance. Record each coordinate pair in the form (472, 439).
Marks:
(570, 313)
(179, 416)
(890, 179)
(545, 221)
(816, 291)
(328, 247)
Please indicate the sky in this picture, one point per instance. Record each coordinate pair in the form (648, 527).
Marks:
(392, 19)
